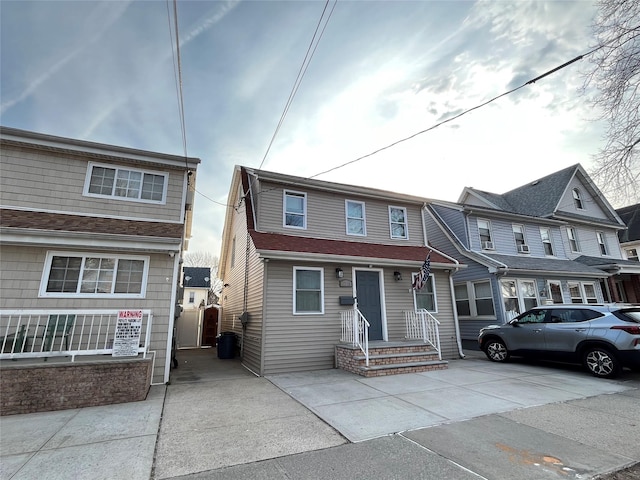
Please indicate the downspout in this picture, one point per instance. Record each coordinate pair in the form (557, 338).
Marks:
(456, 322)
(172, 316)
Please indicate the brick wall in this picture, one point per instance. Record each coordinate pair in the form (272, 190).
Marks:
(39, 388)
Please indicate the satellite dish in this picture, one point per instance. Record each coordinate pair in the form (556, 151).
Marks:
(206, 279)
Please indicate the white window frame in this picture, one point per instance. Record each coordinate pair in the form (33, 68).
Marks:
(92, 165)
(294, 193)
(489, 229)
(632, 254)
(84, 255)
(514, 226)
(363, 219)
(472, 300)
(519, 296)
(192, 297)
(602, 243)
(583, 294)
(577, 199)
(294, 297)
(433, 293)
(550, 295)
(406, 223)
(233, 252)
(550, 241)
(572, 234)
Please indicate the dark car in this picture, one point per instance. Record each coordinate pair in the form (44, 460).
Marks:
(604, 338)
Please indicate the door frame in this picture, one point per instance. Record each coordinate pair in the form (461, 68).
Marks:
(383, 307)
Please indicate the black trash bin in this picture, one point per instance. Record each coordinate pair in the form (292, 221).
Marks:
(227, 345)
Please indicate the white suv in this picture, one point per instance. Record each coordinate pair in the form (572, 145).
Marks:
(604, 338)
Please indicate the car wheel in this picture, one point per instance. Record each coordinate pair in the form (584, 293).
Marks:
(496, 350)
(601, 362)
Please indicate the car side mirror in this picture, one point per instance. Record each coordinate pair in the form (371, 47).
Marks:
(514, 323)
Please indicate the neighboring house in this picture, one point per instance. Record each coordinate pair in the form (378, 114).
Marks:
(89, 230)
(629, 283)
(549, 241)
(196, 284)
(298, 255)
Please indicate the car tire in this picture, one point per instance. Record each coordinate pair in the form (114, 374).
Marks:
(601, 362)
(496, 350)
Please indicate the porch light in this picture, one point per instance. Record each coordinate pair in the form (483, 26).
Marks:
(339, 273)
(397, 276)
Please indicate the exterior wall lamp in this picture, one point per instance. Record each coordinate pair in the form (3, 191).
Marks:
(339, 273)
(397, 276)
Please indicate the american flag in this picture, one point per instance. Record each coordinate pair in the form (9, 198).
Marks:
(423, 275)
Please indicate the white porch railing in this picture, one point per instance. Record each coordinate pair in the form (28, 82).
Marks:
(355, 330)
(63, 333)
(421, 325)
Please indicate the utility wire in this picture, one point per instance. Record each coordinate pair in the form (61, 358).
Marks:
(530, 82)
(303, 69)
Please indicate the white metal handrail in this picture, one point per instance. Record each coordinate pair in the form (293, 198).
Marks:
(59, 333)
(355, 330)
(421, 325)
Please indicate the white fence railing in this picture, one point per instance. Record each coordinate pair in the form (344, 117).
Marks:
(66, 333)
(421, 325)
(355, 330)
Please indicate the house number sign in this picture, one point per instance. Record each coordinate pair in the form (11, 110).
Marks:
(127, 336)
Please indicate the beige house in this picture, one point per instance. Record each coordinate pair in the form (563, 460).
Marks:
(90, 233)
(309, 266)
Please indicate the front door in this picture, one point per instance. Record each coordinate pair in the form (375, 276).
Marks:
(369, 302)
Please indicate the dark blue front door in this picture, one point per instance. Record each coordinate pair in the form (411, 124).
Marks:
(368, 297)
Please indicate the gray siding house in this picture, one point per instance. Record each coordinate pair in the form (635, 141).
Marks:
(553, 240)
(299, 255)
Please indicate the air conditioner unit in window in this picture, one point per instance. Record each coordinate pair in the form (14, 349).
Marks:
(487, 245)
(523, 248)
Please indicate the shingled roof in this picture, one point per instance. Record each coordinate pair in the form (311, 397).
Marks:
(10, 218)
(630, 215)
(275, 242)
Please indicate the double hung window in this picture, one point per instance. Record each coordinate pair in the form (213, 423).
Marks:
(573, 239)
(602, 243)
(518, 296)
(308, 290)
(426, 296)
(474, 299)
(582, 292)
(518, 235)
(354, 212)
(545, 234)
(484, 230)
(398, 222)
(126, 183)
(94, 275)
(295, 209)
(577, 199)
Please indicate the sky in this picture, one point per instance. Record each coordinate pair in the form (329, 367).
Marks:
(104, 71)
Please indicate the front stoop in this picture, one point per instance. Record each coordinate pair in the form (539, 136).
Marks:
(389, 358)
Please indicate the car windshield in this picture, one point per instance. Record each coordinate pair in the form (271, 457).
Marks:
(629, 314)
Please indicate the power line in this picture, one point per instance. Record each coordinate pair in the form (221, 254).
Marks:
(301, 72)
(529, 82)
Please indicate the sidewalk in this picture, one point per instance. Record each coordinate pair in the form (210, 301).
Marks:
(217, 420)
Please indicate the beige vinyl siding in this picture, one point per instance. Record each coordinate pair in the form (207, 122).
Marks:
(399, 297)
(21, 271)
(326, 216)
(233, 296)
(300, 342)
(60, 182)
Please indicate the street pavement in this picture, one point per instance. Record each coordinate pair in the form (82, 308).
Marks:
(475, 420)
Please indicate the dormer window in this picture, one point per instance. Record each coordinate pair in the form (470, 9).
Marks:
(577, 199)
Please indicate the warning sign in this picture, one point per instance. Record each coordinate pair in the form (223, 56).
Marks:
(127, 336)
